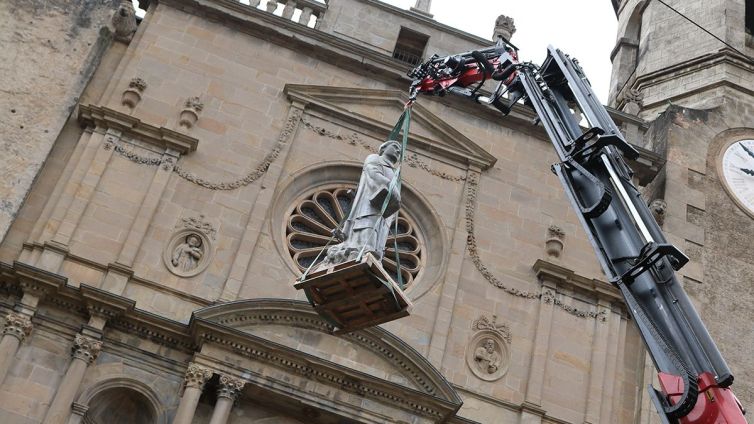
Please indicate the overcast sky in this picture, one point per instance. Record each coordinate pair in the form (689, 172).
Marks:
(585, 29)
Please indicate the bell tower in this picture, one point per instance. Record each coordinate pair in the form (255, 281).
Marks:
(690, 53)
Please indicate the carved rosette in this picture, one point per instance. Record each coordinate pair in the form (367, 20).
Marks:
(488, 352)
(132, 95)
(190, 113)
(17, 325)
(86, 348)
(230, 387)
(196, 376)
(312, 220)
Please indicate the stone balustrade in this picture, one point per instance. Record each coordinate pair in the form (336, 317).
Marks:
(305, 12)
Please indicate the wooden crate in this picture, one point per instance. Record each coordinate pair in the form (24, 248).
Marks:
(355, 295)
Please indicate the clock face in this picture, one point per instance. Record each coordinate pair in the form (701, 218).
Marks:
(738, 172)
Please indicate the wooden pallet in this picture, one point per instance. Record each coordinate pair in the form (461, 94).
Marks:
(355, 295)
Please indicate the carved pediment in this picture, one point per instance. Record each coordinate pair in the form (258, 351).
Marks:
(377, 110)
(289, 336)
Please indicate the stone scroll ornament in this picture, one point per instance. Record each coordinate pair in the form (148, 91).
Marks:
(375, 208)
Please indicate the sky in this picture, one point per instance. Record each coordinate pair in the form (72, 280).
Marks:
(585, 29)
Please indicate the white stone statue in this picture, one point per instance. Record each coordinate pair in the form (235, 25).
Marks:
(366, 228)
(187, 255)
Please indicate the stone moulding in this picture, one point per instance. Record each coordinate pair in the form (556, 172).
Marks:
(160, 137)
(219, 324)
(299, 314)
(446, 141)
(588, 289)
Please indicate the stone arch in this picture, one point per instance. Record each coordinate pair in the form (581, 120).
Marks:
(121, 400)
(262, 318)
(340, 172)
(625, 54)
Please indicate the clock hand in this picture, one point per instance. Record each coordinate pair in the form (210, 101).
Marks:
(747, 150)
(747, 171)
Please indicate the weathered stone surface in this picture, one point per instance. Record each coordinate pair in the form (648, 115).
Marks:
(50, 51)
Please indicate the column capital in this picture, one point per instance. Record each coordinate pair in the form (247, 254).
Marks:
(86, 348)
(230, 387)
(17, 325)
(196, 376)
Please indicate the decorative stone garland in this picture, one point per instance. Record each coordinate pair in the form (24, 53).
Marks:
(412, 160)
(472, 185)
(249, 178)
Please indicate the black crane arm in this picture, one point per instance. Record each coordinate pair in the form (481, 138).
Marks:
(630, 247)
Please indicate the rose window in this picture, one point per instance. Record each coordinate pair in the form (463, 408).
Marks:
(312, 221)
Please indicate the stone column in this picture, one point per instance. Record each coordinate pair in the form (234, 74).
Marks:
(17, 327)
(193, 385)
(85, 351)
(227, 394)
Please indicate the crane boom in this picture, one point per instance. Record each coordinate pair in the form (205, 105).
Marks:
(630, 247)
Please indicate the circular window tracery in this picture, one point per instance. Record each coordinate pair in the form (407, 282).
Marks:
(311, 222)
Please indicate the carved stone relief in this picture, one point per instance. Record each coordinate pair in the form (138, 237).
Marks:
(488, 353)
(124, 22)
(190, 112)
(190, 250)
(554, 242)
(132, 95)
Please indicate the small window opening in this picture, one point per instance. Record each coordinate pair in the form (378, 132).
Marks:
(750, 17)
(410, 46)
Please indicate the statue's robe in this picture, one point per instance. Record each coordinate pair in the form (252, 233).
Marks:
(366, 229)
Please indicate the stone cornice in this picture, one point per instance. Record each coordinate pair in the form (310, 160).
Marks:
(37, 281)
(160, 137)
(104, 303)
(119, 310)
(647, 165)
(696, 64)
(566, 278)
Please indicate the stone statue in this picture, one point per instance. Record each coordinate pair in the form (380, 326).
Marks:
(187, 255)
(124, 22)
(366, 228)
(486, 358)
(504, 27)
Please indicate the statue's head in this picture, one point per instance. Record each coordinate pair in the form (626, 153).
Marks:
(391, 148)
(489, 345)
(193, 240)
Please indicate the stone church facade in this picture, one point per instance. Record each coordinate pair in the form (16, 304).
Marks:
(190, 168)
